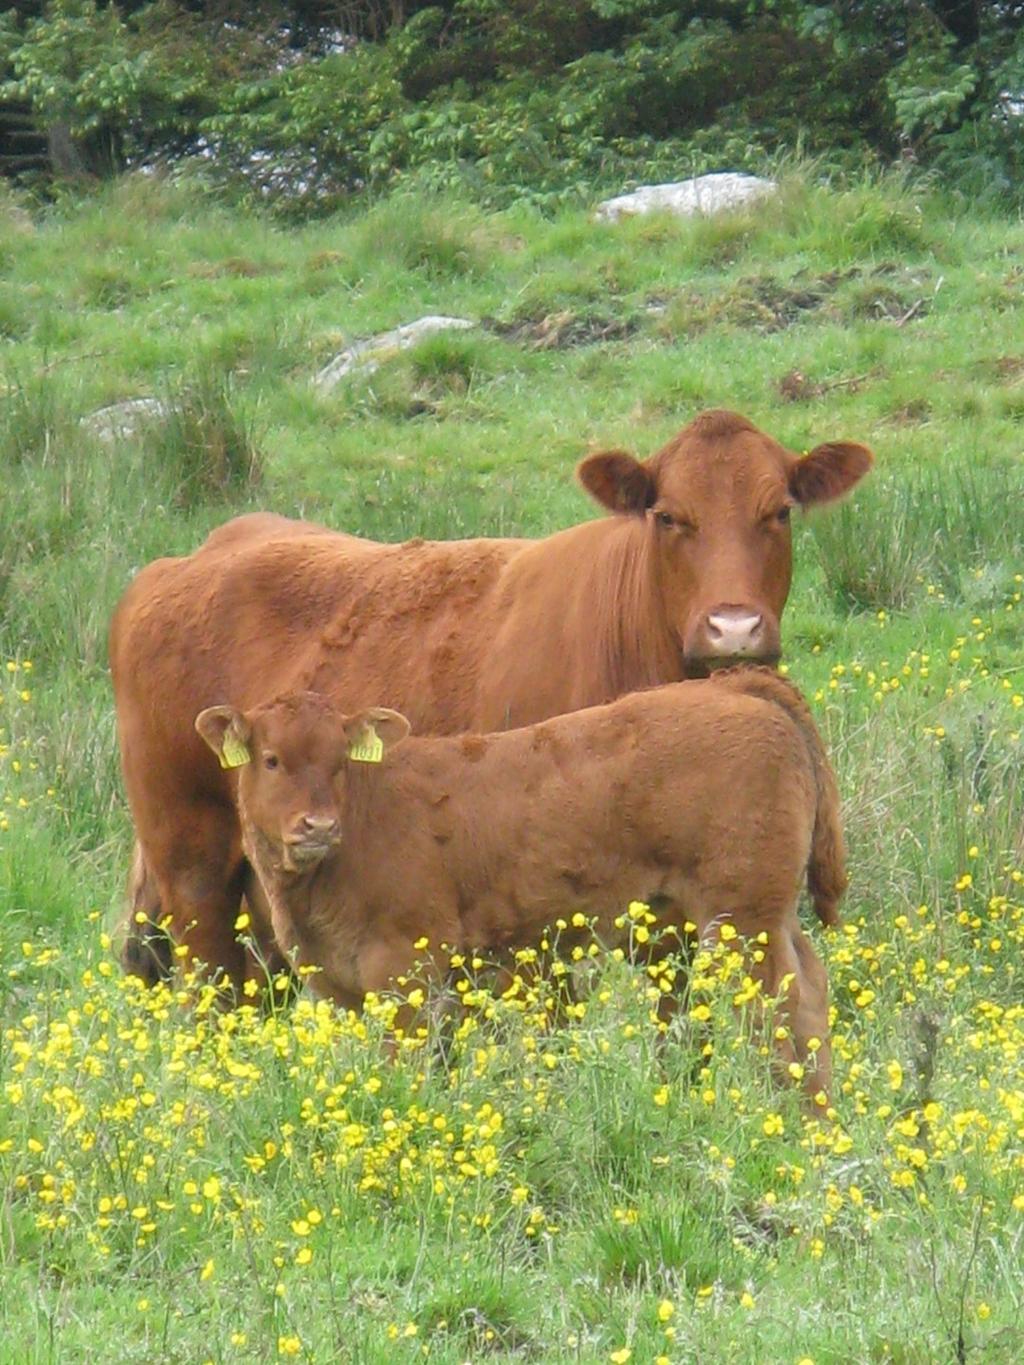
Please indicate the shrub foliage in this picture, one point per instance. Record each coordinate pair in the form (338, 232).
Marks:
(303, 102)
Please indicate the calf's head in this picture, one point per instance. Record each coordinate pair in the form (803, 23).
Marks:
(294, 758)
(714, 505)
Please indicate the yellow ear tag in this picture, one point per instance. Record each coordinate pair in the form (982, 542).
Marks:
(233, 753)
(370, 748)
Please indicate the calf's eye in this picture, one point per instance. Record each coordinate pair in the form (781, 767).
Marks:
(666, 519)
(270, 761)
(782, 515)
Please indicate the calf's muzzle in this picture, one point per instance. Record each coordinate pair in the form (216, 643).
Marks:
(311, 839)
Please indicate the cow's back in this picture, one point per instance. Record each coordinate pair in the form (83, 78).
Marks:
(268, 605)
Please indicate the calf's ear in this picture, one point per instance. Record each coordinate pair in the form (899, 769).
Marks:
(372, 733)
(227, 732)
(828, 471)
(618, 481)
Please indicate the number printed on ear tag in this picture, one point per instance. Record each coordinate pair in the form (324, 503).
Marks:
(370, 748)
(234, 754)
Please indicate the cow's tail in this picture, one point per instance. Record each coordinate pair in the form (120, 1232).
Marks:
(826, 867)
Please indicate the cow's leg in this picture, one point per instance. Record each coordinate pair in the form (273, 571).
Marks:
(199, 873)
(146, 950)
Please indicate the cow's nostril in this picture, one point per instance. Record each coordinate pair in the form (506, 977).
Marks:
(319, 824)
(734, 632)
(737, 625)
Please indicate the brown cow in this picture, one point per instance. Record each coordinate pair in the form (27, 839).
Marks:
(711, 799)
(692, 570)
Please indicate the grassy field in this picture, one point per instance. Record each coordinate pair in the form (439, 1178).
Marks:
(185, 1185)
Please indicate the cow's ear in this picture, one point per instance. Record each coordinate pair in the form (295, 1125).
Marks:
(372, 733)
(618, 481)
(828, 471)
(227, 732)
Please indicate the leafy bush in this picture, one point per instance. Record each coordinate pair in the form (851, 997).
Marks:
(985, 154)
(299, 104)
(312, 133)
(111, 89)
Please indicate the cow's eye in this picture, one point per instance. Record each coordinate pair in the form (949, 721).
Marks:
(270, 761)
(666, 519)
(782, 516)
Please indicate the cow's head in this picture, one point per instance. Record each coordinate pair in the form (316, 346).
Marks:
(294, 757)
(715, 504)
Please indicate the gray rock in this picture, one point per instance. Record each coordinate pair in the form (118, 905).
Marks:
(120, 421)
(707, 194)
(367, 356)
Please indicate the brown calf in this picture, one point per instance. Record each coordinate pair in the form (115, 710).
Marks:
(711, 799)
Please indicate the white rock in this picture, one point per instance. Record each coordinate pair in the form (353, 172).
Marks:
(367, 356)
(120, 421)
(707, 194)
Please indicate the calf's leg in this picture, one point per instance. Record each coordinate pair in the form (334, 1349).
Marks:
(391, 963)
(788, 971)
(791, 972)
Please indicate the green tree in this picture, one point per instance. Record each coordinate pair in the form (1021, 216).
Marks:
(316, 98)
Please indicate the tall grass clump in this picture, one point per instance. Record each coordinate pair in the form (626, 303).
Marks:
(908, 534)
(874, 551)
(923, 787)
(443, 377)
(205, 441)
(79, 516)
(870, 217)
(442, 238)
(34, 414)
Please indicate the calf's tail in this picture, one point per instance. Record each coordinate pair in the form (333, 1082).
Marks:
(826, 867)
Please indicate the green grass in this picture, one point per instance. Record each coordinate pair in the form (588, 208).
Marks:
(873, 311)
